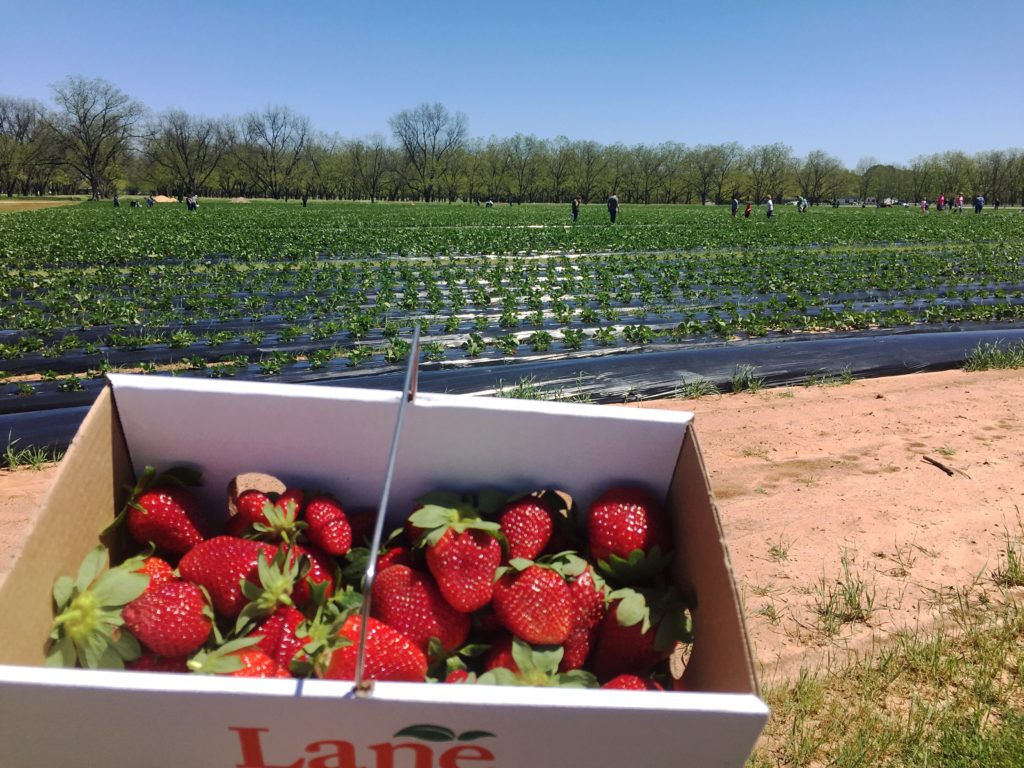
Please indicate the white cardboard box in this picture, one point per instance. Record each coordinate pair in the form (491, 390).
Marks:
(339, 439)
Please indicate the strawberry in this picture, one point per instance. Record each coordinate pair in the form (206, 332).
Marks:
(534, 603)
(150, 662)
(280, 636)
(463, 550)
(237, 658)
(158, 570)
(633, 683)
(639, 630)
(500, 655)
(589, 600)
(327, 525)
(220, 565)
(628, 535)
(268, 516)
(163, 511)
(515, 662)
(527, 525)
(410, 601)
(390, 655)
(319, 575)
(170, 619)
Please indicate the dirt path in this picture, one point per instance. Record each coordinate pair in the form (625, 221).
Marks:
(825, 495)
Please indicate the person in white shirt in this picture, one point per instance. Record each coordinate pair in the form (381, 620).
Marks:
(769, 206)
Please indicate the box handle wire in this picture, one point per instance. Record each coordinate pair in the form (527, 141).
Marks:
(363, 688)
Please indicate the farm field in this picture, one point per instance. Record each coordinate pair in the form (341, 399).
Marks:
(330, 292)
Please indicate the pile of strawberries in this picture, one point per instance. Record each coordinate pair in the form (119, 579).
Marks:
(482, 588)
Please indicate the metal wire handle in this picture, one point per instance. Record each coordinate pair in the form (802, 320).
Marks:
(365, 687)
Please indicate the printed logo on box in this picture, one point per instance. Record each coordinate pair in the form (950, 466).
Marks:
(433, 748)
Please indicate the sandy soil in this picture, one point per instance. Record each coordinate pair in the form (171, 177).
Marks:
(827, 487)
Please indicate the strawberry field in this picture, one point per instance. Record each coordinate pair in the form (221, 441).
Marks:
(330, 293)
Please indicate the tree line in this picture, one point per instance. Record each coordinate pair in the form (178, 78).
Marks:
(98, 140)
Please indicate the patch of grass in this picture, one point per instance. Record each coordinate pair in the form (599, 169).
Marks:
(778, 551)
(745, 379)
(33, 456)
(830, 378)
(1010, 570)
(697, 387)
(949, 696)
(844, 600)
(989, 356)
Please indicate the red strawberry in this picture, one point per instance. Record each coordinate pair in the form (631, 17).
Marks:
(628, 534)
(163, 511)
(500, 655)
(269, 517)
(279, 635)
(410, 602)
(527, 525)
(590, 607)
(238, 658)
(459, 676)
(171, 619)
(327, 525)
(321, 571)
(464, 565)
(639, 630)
(633, 683)
(390, 655)
(534, 603)
(220, 565)
(463, 551)
(249, 507)
(150, 662)
(158, 570)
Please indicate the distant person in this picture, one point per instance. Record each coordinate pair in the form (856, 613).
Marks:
(117, 200)
(748, 210)
(305, 199)
(576, 202)
(613, 207)
(996, 203)
(979, 203)
(489, 203)
(960, 203)
(769, 206)
(801, 204)
(735, 205)
(924, 205)
(149, 201)
(193, 202)
(940, 203)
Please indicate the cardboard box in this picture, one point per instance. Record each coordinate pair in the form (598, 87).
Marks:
(340, 439)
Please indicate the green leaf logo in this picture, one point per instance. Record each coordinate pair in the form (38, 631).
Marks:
(440, 733)
(428, 733)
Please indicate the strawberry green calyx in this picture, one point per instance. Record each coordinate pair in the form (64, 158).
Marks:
(282, 524)
(88, 629)
(441, 511)
(664, 610)
(222, 660)
(638, 568)
(538, 666)
(276, 579)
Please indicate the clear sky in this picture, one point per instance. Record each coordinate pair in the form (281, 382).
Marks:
(886, 79)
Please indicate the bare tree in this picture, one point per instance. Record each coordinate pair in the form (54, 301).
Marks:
(769, 166)
(429, 135)
(28, 150)
(370, 160)
(814, 176)
(272, 146)
(187, 148)
(586, 166)
(94, 121)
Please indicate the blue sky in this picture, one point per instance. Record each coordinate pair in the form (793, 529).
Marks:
(888, 80)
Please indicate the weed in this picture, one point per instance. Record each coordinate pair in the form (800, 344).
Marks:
(845, 600)
(745, 380)
(696, 387)
(778, 551)
(33, 456)
(990, 355)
